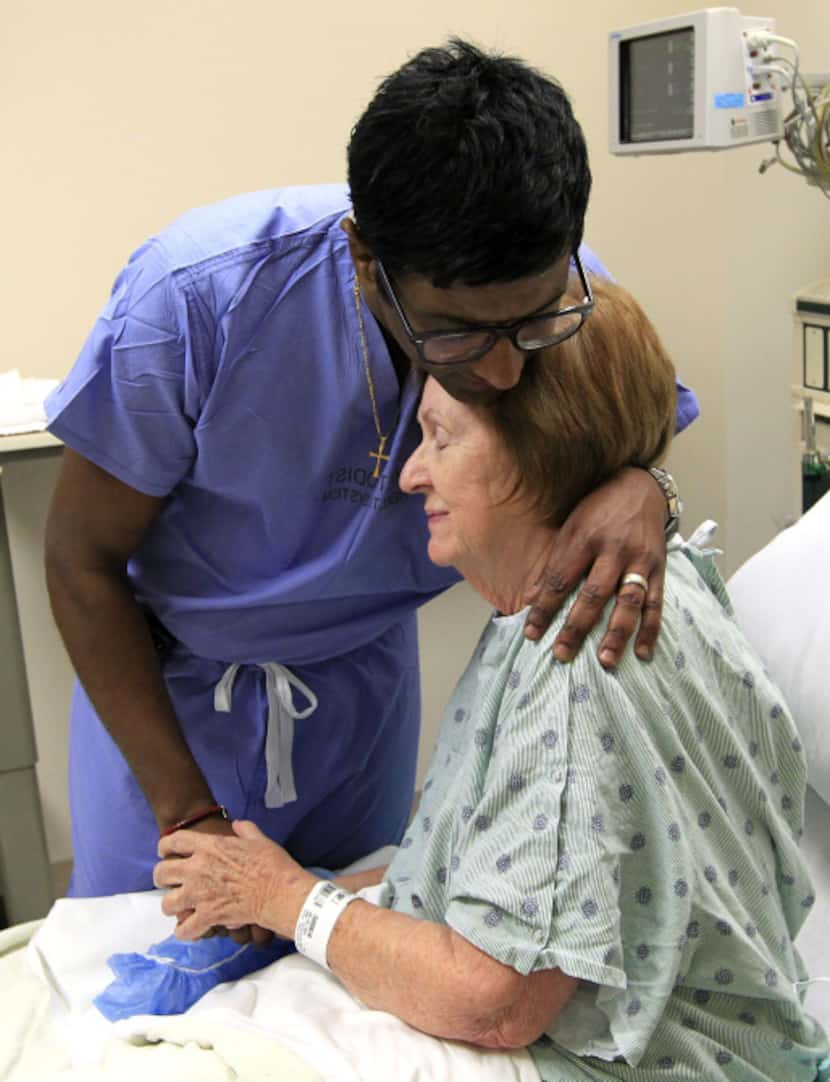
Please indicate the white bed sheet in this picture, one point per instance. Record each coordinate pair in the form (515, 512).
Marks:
(291, 1022)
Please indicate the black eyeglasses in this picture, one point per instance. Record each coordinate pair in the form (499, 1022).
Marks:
(461, 347)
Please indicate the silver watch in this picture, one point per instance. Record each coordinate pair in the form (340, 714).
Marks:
(674, 505)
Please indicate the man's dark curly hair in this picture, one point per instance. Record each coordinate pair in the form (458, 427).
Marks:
(468, 167)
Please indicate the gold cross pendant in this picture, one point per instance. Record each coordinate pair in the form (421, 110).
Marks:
(379, 455)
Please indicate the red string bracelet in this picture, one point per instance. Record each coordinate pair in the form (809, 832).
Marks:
(197, 817)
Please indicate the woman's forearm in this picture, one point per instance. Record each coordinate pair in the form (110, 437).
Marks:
(438, 982)
(422, 971)
(408, 967)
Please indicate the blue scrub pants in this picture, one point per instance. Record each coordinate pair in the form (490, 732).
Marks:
(354, 763)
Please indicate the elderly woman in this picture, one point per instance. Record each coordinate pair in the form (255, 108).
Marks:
(604, 865)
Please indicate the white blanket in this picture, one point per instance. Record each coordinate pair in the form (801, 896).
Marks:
(291, 1022)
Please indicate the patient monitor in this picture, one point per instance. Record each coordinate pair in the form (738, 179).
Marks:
(688, 83)
(714, 79)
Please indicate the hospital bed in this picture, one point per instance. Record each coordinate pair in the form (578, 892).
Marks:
(782, 602)
(290, 1022)
(294, 1022)
(814, 941)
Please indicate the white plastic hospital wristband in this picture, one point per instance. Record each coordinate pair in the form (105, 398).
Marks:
(321, 911)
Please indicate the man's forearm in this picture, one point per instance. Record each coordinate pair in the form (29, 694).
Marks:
(110, 647)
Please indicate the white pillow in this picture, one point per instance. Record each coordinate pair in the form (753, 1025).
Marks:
(782, 603)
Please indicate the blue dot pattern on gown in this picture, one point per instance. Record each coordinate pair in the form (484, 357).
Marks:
(630, 830)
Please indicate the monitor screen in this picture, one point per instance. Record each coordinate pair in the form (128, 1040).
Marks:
(657, 99)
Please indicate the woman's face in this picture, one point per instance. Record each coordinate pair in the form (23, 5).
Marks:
(467, 478)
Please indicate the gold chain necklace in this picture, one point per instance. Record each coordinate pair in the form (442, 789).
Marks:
(378, 455)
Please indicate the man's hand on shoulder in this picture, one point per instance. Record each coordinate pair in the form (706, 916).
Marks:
(617, 533)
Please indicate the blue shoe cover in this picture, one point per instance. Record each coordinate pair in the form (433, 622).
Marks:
(173, 974)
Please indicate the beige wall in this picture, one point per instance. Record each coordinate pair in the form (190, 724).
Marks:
(119, 116)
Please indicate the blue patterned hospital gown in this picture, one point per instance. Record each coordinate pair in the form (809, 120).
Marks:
(638, 829)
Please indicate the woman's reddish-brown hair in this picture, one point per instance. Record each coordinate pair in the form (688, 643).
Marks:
(601, 400)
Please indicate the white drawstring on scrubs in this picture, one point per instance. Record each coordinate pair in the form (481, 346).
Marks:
(279, 739)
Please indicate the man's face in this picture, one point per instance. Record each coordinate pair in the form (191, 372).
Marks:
(463, 308)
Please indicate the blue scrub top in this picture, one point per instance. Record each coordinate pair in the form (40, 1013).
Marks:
(226, 374)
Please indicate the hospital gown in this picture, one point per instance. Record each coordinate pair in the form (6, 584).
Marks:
(639, 830)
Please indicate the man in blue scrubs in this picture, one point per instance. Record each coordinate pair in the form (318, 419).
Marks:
(230, 559)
